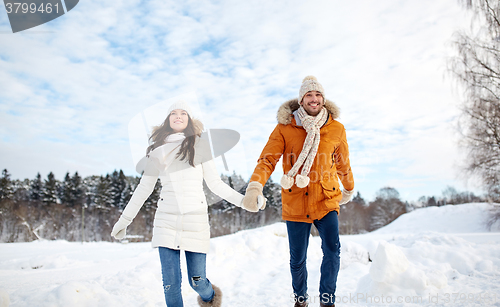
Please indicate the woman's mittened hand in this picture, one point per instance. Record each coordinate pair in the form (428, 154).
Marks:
(120, 228)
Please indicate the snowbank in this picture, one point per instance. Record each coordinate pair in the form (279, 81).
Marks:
(466, 218)
(431, 250)
(419, 265)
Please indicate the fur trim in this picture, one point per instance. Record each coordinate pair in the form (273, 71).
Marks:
(198, 126)
(215, 302)
(285, 111)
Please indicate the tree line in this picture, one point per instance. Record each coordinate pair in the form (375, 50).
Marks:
(85, 209)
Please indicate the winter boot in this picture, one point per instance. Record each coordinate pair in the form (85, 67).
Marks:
(303, 304)
(216, 300)
(323, 305)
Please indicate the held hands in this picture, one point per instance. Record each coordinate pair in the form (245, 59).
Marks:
(346, 197)
(120, 229)
(254, 199)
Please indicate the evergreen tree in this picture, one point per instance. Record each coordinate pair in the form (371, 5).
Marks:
(131, 183)
(272, 193)
(358, 199)
(77, 190)
(65, 191)
(117, 185)
(50, 188)
(90, 187)
(103, 197)
(21, 190)
(36, 187)
(71, 190)
(6, 189)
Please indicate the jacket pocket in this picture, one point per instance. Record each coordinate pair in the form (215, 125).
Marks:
(293, 201)
(330, 186)
(289, 158)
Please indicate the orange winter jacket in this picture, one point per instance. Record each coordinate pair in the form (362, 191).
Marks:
(331, 163)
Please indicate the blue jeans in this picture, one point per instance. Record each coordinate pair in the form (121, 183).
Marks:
(298, 240)
(171, 270)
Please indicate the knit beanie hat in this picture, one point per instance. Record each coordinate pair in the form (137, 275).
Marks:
(181, 105)
(310, 83)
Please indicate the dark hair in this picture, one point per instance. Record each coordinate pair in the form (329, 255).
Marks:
(161, 132)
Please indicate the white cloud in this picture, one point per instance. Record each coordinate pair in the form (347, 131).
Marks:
(382, 62)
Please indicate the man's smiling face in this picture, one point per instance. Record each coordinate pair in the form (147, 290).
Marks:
(312, 102)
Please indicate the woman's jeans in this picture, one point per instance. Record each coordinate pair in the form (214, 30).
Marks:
(298, 240)
(171, 271)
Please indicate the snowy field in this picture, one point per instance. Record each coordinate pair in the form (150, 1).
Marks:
(430, 257)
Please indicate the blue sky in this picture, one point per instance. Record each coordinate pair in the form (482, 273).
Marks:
(69, 88)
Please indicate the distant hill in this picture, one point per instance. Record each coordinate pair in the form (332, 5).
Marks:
(464, 218)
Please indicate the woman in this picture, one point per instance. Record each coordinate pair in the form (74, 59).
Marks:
(182, 161)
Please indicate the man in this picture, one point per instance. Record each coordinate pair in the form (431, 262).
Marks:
(315, 152)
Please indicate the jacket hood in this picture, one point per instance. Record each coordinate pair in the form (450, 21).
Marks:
(285, 111)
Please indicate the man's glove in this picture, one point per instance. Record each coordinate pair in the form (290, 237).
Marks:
(120, 229)
(254, 199)
(346, 196)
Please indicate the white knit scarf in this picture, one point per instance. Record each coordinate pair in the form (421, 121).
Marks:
(162, 156)
(312, 125)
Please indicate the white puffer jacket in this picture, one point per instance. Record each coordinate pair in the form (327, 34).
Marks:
(181, 219)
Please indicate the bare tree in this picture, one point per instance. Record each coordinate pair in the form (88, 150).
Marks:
(354, 216)
(386, 207)
(477, 68)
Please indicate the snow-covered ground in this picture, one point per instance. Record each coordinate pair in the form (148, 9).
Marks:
(430, 257)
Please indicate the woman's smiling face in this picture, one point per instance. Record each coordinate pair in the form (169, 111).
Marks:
(178, 120)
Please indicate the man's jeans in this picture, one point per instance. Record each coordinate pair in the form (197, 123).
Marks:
(298, 240)
(171, 271)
